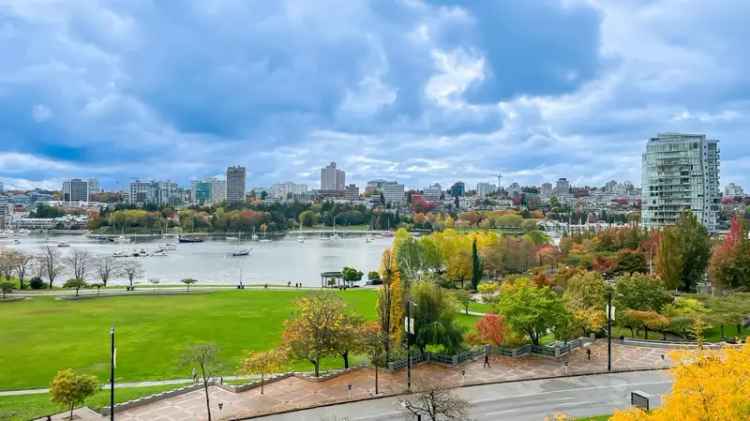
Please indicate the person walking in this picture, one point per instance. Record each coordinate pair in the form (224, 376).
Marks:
(487, 360)
(195, 376)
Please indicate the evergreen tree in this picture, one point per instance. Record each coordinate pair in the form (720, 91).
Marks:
(476, 266)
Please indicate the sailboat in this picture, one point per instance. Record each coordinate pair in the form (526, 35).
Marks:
(335, 236)
(300, 237)
(240, 252)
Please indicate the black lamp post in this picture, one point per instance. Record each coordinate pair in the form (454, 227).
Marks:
(609, 331)
(112, 375)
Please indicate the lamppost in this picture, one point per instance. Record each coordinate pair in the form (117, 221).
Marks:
(609, 331)
(113, 357)
(409, 331)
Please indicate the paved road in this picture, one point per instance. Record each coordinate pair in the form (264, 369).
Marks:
(529, 400)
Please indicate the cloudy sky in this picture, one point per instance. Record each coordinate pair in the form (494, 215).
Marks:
(415, 90)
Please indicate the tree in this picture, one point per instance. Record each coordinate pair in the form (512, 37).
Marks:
(390, 299)
(695, 249)
(107, 267)
(647, 319)
(530, 309)
(263, 363)
(188, 282)
(373, 340)
(374, 278)
(349, 337)
(23, 263)
(464, 298)
(79, 261)
(460, 266)
(75, 283)
(437, 403)
(707, 386)
(434, 316)
(132, 269)
(584, 297)
(351, 275)
(640, 292)
(50, 263)
(204, 357)
(6, 288)
(7, 264)
(476, 266)
(36, 283)
(730, 262)
(491, 329)
(312, 333)
(70, 389)
(669, 259)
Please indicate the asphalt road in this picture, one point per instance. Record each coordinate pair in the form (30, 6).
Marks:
(529, 400)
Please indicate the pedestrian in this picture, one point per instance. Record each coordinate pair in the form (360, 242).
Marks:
(195, 376)
(221, 379)
(487, 360)
(289, 284)
(588, 354)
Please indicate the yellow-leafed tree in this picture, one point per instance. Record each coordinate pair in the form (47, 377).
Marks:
(711, 386)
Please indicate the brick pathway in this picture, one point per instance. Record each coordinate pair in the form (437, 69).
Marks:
(295, 392)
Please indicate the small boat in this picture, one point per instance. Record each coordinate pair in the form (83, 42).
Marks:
(264, 240)
(240, 253)
(16, 241)
(231, 238)
(159, 253)
(122, 239)
(182, 239)
(169, 246)
(300, 239)
(368, 240)
(119, 254)
(63, 244)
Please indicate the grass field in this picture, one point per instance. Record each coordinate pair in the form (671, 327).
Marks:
(42, 335)
(18, 408)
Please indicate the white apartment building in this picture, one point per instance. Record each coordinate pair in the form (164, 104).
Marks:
(680, 172)
(433, 193)
(332, 178)
(733, 190)
(284, 190)
(483, 189)
(393, 193)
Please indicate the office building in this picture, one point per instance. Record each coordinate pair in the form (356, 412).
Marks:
(483, 189)
(680, 172)
(2, 187)
(94, 185)
(393, 193)
(159, 193)
(218, 190)
(332, 178)
(351, 192)
(75, 190)
(201, 192)
(433, 194)
(546, 189)
(235, 184)
(733, 190)
(458, 189)
(374, 186)
(562, 187)
(287, 190)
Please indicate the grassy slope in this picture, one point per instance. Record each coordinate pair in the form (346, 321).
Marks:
(43, 335)
(27, 407)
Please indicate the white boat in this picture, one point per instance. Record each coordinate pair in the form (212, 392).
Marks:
(122, 239)
(241, 253)
(300, 239)
(63, 244)
(120, 254)
(159, 253)
(264, 240)
(231, 238)
(169, 246)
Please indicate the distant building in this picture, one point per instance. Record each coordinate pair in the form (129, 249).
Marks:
(433, 194)
(235, 185)
(680, 172)
(351, 192)
(514, 189)
(285, 190)
(393, 193)
(483, 189)
(159, 193)
(201, 192)
(733, 190)
(562, 187)
(332, 178)
(75, 190)
(94, 186)
(6, 213)
(546, 189)
(218, 190)
(458, 189)
(374, 186)
(2, 188)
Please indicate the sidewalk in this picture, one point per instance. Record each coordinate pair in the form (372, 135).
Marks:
(296, 393)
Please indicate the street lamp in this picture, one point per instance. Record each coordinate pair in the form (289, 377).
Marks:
(609, 331)
(409, 331)
(113, 356)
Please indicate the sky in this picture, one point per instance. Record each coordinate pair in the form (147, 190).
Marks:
(419, 91)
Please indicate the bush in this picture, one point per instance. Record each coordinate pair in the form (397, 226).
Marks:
(36, 283)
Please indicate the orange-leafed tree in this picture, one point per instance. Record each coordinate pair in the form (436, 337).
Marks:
(707, 386)
(491, 329)
(263, 363)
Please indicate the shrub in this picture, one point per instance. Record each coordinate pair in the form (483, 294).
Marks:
(36, 283)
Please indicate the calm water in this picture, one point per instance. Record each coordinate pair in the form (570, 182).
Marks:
(276, 261)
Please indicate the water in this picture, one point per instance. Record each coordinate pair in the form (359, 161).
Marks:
(278, 261)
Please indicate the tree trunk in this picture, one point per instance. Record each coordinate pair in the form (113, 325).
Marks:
(376, 379)
(72, 406)
(208, 403)
(345, 356)
(317, 368)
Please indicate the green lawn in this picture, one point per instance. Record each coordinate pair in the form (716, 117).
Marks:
(17, 408)
(43, 335)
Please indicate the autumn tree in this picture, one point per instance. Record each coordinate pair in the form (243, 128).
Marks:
(464, 298)
(730, 262)
(71, 389)
(204, 358)
(349, 337)
(434, 316)
(529, 309)
(669, 260)
(707, 386)
(585, 297)
(491, 329)
(312, 333)
(460, 266)
(263, 363)
(640, 292)
(373, 340)
(390, 301)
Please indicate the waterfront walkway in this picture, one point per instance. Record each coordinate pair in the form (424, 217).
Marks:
(298, 393)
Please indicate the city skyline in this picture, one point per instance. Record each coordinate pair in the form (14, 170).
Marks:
(418, 92)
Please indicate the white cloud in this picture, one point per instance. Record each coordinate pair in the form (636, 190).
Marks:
(41, 113)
